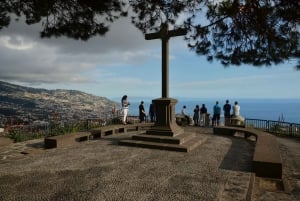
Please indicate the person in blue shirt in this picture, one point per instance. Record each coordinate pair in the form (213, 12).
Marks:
(217, 114)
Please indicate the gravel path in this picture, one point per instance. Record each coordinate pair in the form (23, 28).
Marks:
(219, 169)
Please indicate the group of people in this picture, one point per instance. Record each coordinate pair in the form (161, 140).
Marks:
(200, 113)
(142, 113)
(227, 113)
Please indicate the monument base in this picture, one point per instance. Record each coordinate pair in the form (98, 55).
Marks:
(165, 134)
(165, 124)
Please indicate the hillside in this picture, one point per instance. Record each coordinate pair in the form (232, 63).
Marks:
(40, 104)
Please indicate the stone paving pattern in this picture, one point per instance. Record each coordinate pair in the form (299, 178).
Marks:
(219, 169)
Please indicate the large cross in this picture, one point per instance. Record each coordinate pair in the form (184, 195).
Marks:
(164, 34)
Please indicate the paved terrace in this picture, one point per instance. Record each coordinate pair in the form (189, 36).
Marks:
(219, 169)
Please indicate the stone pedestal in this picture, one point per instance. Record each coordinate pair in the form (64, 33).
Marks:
(207, 120)
(165, 133)
(166, 122)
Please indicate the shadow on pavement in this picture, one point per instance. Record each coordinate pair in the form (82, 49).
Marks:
(236, 159)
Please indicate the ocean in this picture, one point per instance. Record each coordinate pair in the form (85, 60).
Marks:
(266, 109)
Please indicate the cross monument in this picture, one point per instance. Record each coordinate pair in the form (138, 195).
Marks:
(165, 106)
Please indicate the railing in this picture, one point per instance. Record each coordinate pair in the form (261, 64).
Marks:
(27, 132)
(275, 127)
(109, 119)
(23, 133)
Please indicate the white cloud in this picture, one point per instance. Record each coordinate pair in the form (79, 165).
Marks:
(66, 60)
(16, 43)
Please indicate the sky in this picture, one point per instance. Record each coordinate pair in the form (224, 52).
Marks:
(123, 62)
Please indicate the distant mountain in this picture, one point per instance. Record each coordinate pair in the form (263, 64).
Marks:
(27, 102)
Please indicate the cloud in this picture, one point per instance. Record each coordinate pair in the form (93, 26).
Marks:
(26, 57)
(16, 43)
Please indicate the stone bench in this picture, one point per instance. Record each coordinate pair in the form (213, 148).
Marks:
(120, 128)
(181, 120)
(231, 130)
(236, 121)
(66, 140)
(73, 138)
(108, 130)
(267, 160)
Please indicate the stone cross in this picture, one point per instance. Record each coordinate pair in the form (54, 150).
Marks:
(164, 34)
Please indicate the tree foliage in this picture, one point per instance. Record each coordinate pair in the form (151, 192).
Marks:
(251, 32)
(235, 32)
(78, 19)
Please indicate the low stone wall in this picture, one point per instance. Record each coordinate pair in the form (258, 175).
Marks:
(267, 161)
(181, 120)
(73, 138)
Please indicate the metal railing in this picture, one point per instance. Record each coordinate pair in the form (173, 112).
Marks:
(58, 127)
(278, 128)
(23, 133)
(110, 118)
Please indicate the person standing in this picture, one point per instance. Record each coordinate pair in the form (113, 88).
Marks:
(152, 112)
(217, 114)
(226, 109)
(125, 105)
(183, 112)
(196, 115)
(142, 112)
(203, 112)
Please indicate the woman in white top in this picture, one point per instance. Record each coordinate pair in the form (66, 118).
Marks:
(236, 112)
(236, 109)
(125, 105)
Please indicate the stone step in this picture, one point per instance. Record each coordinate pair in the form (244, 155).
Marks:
(184, 147)
(178, 139)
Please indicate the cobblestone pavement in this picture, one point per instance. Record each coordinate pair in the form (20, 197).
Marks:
(219, 169)
(289, 188)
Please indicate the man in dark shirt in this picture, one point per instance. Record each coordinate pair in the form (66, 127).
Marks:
(142, 112)
(226, 109)
(203, 112)
(152, 112)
